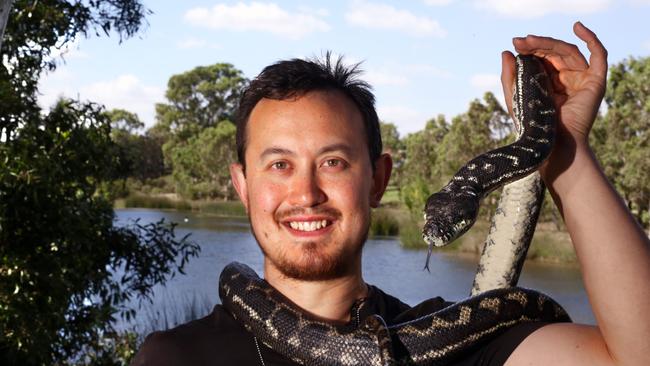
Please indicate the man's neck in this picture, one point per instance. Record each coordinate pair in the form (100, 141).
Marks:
(329, 299)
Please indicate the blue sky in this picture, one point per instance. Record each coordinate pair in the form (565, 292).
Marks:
(423, 58)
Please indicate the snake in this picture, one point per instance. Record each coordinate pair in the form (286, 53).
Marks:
(441, 336)
(450, 212)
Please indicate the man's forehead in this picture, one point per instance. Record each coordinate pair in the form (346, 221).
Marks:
(321, 112)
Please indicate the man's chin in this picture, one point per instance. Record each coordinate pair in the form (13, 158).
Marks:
(313, 265)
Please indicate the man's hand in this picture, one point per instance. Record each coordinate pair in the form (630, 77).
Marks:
(613, 250)
(577, 86)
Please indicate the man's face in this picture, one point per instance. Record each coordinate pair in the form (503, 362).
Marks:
(309, 184)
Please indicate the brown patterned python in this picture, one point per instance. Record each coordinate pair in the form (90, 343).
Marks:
(439, 337)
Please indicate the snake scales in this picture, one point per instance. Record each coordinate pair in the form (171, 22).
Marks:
(438, 337)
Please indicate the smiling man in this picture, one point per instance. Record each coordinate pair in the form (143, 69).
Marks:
(310, 168)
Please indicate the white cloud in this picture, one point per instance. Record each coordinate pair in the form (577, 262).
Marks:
(539, 8)
(383, 77)
(321, 12)
(485, 81)
(425, 70)
(381, 16)
(189, 43)
(405, 118)
(126, 92)
(437, 2)
(53, 85)
(68, 51)
(489, 82)
(403, 74)
(257, 16)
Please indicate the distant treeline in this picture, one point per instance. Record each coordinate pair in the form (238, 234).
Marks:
(193, 140)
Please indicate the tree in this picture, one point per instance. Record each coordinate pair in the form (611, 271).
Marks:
(436, 153)
(421, 171)
(5, 7)
(201, 166)
(390, 138)
(393, 145)
(123, 121)
(622, 140)
(473, 133)
(198, 99)
(36, 28)
(65, 270)
(143, 153)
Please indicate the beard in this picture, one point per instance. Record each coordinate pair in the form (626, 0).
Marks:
(314, 262)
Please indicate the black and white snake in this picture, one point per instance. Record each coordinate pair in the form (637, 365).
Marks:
(438, 337)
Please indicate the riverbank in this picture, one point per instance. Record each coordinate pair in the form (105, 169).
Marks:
(391, 220)
(171, 201)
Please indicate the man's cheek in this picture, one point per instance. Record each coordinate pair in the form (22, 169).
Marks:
(266, 200)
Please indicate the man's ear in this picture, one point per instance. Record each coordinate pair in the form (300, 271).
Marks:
(383, 168)
(238, 178)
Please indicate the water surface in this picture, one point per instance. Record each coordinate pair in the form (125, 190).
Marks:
(386, 264)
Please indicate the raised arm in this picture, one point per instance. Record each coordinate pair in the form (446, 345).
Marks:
(613, 251)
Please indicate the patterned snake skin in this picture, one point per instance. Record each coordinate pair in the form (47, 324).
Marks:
(437, 338)
(450, 212)
(434, 339)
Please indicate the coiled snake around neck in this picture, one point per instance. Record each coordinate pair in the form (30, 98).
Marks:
(437, 338)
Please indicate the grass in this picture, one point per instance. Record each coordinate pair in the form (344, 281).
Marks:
(223, 208)
(174, 312)
(548, 245)
(391, 197)
(161, 202)
(383, 222)
(157, 202)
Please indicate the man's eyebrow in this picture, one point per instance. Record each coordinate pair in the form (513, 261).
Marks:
(346, 149)
(276, 151)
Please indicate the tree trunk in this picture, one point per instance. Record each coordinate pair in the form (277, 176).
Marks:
(5, 9)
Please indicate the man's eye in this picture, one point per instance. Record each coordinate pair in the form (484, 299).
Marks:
(333, 163)
(279, 165)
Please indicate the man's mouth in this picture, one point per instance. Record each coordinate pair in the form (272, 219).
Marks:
(309, 225)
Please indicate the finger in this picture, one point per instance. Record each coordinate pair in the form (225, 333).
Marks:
(598, 53)
(508, 77)
(561, 54)
(554, 77)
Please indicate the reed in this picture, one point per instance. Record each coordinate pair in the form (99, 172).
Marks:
(383, 222)
(156, 202)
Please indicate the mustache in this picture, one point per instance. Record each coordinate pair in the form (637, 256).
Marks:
(301, 211)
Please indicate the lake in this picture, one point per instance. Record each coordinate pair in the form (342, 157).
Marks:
(386, 264)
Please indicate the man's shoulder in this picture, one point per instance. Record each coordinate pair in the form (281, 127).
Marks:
(198, 342)
(494, 351)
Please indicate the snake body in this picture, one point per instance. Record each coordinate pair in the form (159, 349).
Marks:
(450, 212)
(430, 340)
(510, 235)
(437, 338)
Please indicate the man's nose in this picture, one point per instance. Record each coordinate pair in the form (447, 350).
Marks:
(306, 190)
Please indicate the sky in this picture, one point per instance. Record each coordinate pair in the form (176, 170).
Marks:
(423, 58)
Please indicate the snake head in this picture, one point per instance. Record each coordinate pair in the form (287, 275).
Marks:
(447, 216)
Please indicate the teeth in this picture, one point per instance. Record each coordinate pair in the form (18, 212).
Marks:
(308, 225)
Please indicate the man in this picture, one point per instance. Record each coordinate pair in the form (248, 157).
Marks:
(311, 167)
